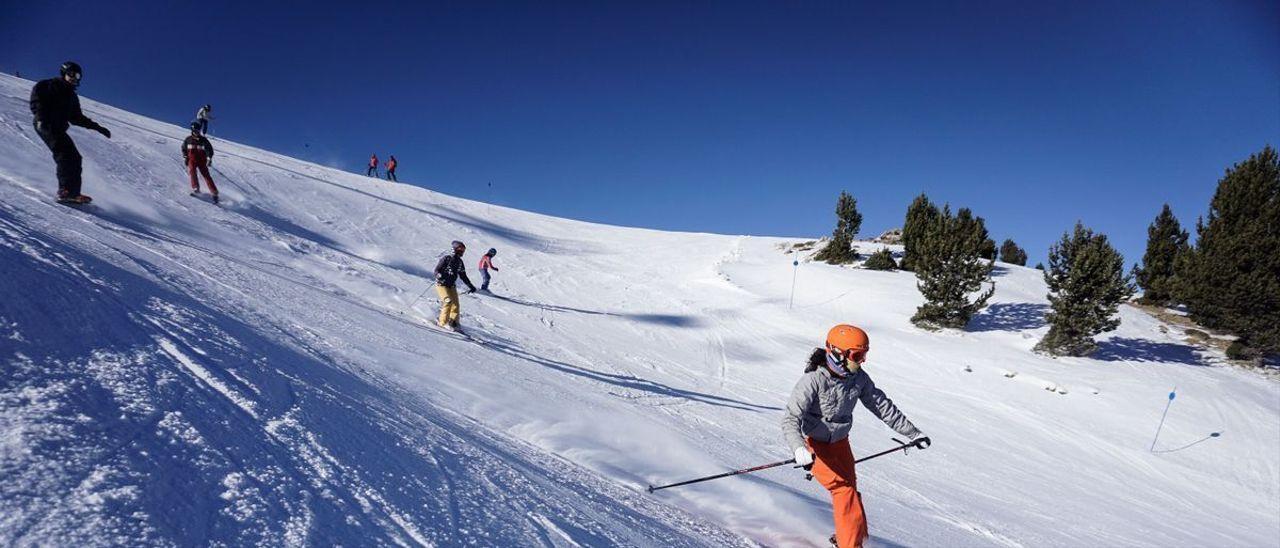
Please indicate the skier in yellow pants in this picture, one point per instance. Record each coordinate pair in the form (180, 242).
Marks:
(448, 270)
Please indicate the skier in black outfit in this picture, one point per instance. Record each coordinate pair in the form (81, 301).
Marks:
(55, 107)
(448, 270)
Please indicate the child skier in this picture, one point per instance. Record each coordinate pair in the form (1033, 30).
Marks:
(391, 169)
(448, 270)
(486, 262)
(818, 418)
(197, 153)
(373, 166)
(55, 107)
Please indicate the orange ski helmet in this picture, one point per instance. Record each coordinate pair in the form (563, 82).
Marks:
(846, 342)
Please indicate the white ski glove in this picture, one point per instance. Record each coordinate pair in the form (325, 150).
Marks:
(803, 456)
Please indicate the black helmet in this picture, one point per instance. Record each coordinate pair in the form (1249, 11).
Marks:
(195, 126)
(71, 69)
(208, 107)
(492, 252)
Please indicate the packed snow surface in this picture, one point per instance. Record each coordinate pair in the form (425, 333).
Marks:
(181, 373)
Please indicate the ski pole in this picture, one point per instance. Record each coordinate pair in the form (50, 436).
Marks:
(419, 297)
(725, 475)
(795, 269)
(920, 443)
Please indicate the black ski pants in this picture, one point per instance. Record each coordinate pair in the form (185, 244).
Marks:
(391, 175)
(68, 160)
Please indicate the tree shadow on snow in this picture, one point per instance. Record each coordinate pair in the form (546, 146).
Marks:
(671, 320)
(1141, 350)
(622, 381)
(1009, 317)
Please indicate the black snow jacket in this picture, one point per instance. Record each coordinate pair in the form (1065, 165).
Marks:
(56, 107)
(449, 269)
(197, 143)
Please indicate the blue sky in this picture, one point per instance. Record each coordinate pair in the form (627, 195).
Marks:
(735, 117)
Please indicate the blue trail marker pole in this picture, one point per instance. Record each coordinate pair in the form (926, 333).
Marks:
(1166, 413)
(795, 269)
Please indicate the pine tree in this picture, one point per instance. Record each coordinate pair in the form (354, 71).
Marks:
(881, 260)
(1166, 244)
(920, 214)
(949, 269)
(1040, 266)
(848, 223)
(1012, 254)
(1231, 279)
(1087, 283)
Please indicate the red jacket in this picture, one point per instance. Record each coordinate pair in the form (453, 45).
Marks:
(373, 161)
(487, 263)
(391, 164)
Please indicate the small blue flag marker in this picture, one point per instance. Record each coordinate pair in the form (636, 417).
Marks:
(1172, 395)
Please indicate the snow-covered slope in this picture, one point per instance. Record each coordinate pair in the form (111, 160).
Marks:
(182, 373)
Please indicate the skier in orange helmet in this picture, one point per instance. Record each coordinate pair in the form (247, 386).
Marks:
(819, 416)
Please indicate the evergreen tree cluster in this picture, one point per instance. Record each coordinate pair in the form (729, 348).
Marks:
(1230, 280)
(881, 260)
(1166, 249)
(946, 252)
(1012, 254)
(921, 215)
(1087, 283)
(848, 222)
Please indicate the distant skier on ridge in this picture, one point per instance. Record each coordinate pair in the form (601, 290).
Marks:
(373, 166)
(197, 153)
(203, 116)
(391, 169)
(486, 263)
(448, 270)
(819, 416)
(55, 107)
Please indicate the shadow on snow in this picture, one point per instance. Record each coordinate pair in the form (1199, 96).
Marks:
(1009, 317)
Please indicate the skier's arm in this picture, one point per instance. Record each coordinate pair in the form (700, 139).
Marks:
(208, 147)
(37, 100)
(883, 408)
(802, 398)
(462, 274)
(78, 118)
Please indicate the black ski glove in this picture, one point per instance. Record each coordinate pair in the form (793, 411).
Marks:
(104, 131)
(922, 442)
(472, 290)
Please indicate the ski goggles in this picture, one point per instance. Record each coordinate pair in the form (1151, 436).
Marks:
(74, 77)
(843, 357)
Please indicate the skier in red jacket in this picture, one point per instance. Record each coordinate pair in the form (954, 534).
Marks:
(197, 153)
(373, 166)
(391, 169)
(486, 263)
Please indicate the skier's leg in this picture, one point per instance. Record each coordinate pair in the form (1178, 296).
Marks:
(204, 170)
(191, 172)
(448, 304)
(68, 160)
(833, 468)
(456, 311)
(484, 279)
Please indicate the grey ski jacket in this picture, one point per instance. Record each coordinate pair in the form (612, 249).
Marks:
(821, 407)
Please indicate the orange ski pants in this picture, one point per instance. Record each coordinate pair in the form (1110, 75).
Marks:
(833, 468)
